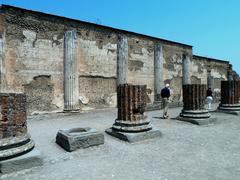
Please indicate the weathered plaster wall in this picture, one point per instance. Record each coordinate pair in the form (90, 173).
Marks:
(97, 64)
(34, 47)
(96, 89)
(198, 70)
(34, 55)
(173, 69)
(140, 63)
(40, 93)
(218, 70)
(219, 73)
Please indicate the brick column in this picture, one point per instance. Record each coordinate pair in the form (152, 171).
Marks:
(194, 98)
(122, 59)
(230, 96)
(14, 139)
(132, 124)
(131, 107)
(71, 89)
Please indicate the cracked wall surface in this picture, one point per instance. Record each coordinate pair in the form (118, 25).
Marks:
(39, 94)
(218, 71)
(34, 47)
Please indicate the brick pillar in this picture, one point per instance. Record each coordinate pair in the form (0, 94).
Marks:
(14, 139)
(230, 96)
(131, 107)
(194, 98)
(132, 124)
(122, 59)
(158, 72)
(71, 89)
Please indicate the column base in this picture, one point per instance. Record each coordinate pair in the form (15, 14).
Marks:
(26, 161)
(134, 137)
(132, 126)
(229, 107)
(71, 111)
(199, 117)
(15, 146)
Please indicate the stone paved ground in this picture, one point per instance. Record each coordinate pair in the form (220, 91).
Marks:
(185, 151)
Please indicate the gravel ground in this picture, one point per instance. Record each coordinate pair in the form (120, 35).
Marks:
(185, 151)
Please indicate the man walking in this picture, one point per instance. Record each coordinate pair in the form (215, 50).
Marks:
(165, 94)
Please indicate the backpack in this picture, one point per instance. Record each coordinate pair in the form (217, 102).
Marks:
(165, 92)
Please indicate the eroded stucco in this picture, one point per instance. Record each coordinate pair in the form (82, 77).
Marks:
(34, 47)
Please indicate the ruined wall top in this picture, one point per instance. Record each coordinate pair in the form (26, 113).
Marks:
(74, 24)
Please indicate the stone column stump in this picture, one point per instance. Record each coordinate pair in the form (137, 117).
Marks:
(158, 76)
(194, 101)
(15, 142)
(230, 97)
(132, 124)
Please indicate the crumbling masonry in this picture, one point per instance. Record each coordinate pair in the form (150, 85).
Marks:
(132, 124)
(230, 96)
(15, 140)
(73, 58)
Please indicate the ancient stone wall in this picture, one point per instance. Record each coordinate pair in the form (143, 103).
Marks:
(141, 65)
(97, 89)
(217, 69)
(140, 62)
(97, 64)
(40, 94)
(34, 47)
(172, 73)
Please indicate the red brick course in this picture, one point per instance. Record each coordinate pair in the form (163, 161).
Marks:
(12, 115)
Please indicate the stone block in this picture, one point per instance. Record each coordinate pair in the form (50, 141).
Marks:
(26, 161)
(134, 137)
(77, 138)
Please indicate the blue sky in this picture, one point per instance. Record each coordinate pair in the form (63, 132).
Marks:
(211, 26)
